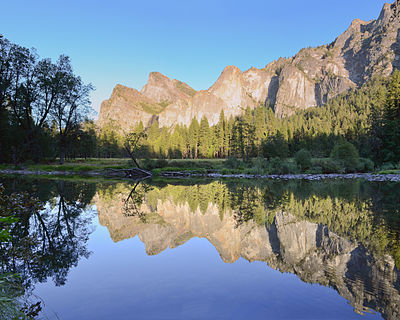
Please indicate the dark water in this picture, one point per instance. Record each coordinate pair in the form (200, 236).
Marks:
(210, 249)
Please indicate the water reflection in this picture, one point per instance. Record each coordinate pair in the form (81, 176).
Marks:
(47, 243)
(340, 234)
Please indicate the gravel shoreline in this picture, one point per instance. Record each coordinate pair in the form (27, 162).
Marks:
(311, 177)
(177, 174)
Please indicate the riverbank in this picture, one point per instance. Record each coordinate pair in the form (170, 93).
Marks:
(198, 168)
(187, 174)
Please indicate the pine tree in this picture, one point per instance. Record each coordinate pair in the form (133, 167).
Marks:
(221, 135)
(204, 138)
(193, 137)
(391, 121)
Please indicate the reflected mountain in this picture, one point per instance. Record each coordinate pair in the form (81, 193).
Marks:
(340, 234)
(344, 235)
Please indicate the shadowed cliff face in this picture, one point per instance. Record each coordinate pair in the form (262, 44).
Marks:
(280, 235)
(309, 79)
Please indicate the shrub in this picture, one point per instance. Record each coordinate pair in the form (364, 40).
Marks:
(259, 166)
(275, 165)
(289, 168)
(303, 159)
(365, 165)
(346, 153)
(225, 171)
(232, 162)
(386, 166)
(147, 164)
(201, 171)
(278, 166)
(150, 164)
(315, 170)
(206, 164)
(248, 171)
(181, 164)
(331, 166)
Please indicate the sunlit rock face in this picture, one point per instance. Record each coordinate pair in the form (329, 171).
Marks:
(309, 79)
(160, 89)
(164, 219)
(124, 105)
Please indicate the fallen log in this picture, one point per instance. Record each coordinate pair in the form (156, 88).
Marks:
(175, 174)
(132, 173)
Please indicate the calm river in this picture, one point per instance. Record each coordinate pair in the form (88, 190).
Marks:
(206, 249)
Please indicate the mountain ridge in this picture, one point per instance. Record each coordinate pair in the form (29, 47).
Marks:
(308, 79)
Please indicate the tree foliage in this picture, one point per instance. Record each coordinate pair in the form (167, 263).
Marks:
(348, 154)
(303, 159)
(132, 144)
(41, 103)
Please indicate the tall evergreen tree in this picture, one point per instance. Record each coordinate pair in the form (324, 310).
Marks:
(391, 121)
(193, 137)
(205, 138)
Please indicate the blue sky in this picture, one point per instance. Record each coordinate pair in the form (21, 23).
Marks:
(122, 41)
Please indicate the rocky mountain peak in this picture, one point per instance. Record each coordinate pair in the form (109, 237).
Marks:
(121, 90)
(230, 88)
(124, 104)
(229, 72)
(230, 76)
(155, 77)
(162, 89)
(356, 23)
(386, 13)
(309, 79)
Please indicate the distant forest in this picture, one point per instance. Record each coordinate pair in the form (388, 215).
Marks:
(367, 117)
(44, 113)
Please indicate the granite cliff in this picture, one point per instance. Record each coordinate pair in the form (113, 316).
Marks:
(308, 79)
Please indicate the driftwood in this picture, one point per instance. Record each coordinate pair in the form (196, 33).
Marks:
(175, 174)
(132, 173)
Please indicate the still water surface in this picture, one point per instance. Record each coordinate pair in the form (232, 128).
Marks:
(212, 249)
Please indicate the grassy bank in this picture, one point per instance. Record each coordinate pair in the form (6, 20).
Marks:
(95, 164)
(261, 166)
(258, 166)
(77, 165)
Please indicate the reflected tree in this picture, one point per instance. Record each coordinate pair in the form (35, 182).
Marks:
(246, 202)
(135, 199)
(49, 241)
(14, 300)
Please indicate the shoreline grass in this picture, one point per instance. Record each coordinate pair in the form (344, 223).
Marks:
(256, 166)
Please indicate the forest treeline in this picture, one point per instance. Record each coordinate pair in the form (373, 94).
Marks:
(367, 117)
(45, 109)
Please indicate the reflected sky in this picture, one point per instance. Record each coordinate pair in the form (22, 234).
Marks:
(120, 281)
